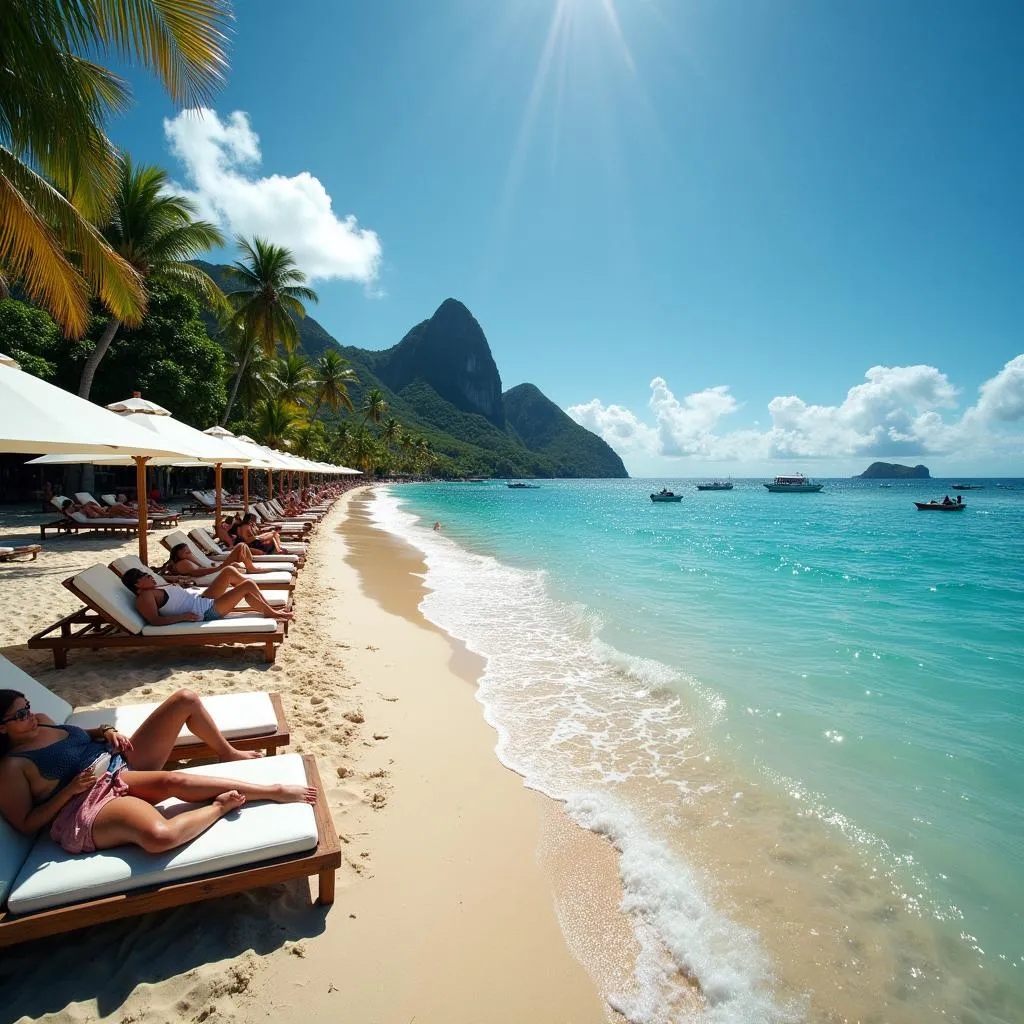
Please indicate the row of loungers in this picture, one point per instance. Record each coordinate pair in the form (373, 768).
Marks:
(45, 891)
(77, 522)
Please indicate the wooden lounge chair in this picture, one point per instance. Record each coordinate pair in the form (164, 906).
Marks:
(210, 546)
(6, 554)
(277, 597)
(280, 577)
(110, 619)
(44, 891)
(269, 515)
(291, 547)
(251, 721)
(75, 522)
(207, 501)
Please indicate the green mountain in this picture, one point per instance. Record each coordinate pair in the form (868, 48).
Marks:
(893, 471)
(441, 381)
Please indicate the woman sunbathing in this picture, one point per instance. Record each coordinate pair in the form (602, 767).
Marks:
(266, 542)
(96, 788)
(151, 506)
(93, 511)
(183, 562)
(165, 604)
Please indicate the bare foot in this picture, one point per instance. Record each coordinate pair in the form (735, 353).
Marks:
(229, 801)
(284, 616)
(295, 795)
(241, 755)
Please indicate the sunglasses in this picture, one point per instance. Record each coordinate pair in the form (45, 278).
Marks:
(19, 716)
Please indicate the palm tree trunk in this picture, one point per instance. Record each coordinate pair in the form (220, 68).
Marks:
(234, 389)
(93, 362)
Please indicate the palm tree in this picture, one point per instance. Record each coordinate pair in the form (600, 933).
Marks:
(154, 231)
(57, 167)
(252, 369)
(341, 440)
(374, 406)
(333, 376)
(274, 422)
(269, 293)
(362, 448)
(291, 380)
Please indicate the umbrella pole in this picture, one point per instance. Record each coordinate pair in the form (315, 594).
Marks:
(140, 488)
(216, 484)
(245, 488)
(270, 483)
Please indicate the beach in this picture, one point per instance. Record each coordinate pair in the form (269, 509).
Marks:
(455, 898)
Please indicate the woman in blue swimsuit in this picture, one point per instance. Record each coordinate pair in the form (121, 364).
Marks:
(96, 788)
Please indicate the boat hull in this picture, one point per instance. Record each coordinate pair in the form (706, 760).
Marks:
(937, 506)
(712, 487)
(794, 488)
(666, 498)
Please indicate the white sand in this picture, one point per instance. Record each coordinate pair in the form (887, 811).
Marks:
(444, 913)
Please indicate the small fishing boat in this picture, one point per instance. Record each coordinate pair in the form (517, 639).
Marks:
(716, 485)
(940, 506)
(666, 495)
(797, 484)
(523, 487)
(968, 487)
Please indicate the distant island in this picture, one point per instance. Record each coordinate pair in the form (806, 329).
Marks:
(893, 471)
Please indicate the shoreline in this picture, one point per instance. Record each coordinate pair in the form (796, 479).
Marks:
(448, 905)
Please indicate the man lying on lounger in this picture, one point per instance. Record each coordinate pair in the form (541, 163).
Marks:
(96, 788)
(166, 604)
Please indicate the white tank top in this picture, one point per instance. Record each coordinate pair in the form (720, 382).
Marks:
(181, 601)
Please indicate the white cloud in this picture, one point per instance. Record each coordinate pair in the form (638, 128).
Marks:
(619, 427)
(896, 411)
(221, 160)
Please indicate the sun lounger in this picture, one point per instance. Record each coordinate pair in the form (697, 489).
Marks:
(293, 527)
(45, 891)
(282, 577)
(110, 619)
(207, 543)
(208, 502)
(296, 547)
(251, 721)
(74, 522)
(277, 509)
(276, 597)
(6, 554)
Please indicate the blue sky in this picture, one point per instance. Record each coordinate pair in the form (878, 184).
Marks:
(695, 225)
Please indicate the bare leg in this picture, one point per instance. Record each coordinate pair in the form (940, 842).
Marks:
(156, 786)
(131, 820)
(227, 578)
(248, 591)
(154, 740)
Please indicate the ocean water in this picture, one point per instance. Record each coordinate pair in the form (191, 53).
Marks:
(797, 717)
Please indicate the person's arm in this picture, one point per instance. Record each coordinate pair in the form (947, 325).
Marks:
(186, 567)
(146, 605)
(16, 797)
(121, 743)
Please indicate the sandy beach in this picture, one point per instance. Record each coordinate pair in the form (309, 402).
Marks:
(456, 897)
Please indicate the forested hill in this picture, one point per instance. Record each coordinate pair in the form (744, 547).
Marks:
(441, 379)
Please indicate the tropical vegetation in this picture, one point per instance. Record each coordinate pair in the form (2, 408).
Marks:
(101, 291)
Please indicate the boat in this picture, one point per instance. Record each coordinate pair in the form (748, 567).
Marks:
(665, 495)
(797, 483)
(968, 487)
(523, 487)
(716, 485)
(940, 506)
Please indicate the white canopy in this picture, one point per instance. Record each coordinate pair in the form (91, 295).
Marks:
(36, 417)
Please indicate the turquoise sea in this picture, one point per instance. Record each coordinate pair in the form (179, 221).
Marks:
(796, 716)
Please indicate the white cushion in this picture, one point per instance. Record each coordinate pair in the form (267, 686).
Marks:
(84, 497)
(232, 624)
(103, 587)
(259, 831)
(6, 551)
(237, 715)
(42, 700)
(81, 517)
(281, 578)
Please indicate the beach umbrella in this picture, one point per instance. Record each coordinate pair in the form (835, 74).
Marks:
(38, 418)
(245, 449)
(189, 447)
